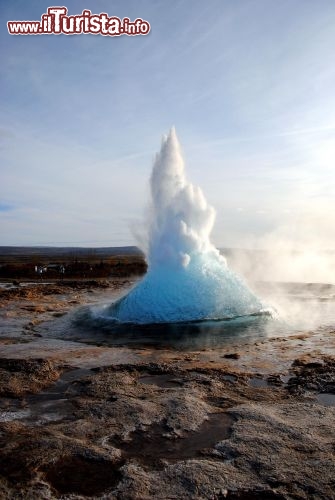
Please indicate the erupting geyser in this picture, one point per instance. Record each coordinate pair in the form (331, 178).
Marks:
(187, 278)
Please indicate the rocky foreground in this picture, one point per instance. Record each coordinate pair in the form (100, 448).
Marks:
(253, 421)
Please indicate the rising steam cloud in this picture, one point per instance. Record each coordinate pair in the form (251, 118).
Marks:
(187, 278)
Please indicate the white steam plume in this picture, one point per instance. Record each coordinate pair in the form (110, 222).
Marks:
(187, 277)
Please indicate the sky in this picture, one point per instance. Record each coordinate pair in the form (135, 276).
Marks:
(249, 86)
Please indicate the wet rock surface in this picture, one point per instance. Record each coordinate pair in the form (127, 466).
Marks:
(313, 375)
(78, 421)
(21, 376)
(118, 436)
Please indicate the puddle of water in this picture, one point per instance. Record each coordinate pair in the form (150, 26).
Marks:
(254, 495)
(165, 381)
(23, 284)
(50, 411)
(83, 476)
(150, 445)
(230, 378)
(9, 416)
(326, 398)
(60, 388)
(50, 405)
(258, 382)
(55, 402)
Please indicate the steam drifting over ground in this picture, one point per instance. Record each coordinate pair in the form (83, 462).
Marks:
(187, 279)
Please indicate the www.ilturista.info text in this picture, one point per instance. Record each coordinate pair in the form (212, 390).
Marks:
(56, 22)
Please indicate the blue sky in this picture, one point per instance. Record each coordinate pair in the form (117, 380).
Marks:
(249, 86)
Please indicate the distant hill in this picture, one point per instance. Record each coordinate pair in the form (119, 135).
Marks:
(16, 252)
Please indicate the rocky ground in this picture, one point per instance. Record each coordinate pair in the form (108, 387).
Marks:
(245, 421)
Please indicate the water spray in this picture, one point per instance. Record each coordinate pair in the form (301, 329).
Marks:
(187, 279)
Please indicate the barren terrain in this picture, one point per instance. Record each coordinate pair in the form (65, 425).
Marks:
(249, 420)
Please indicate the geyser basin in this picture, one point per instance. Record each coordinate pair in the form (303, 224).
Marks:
(187, 279)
